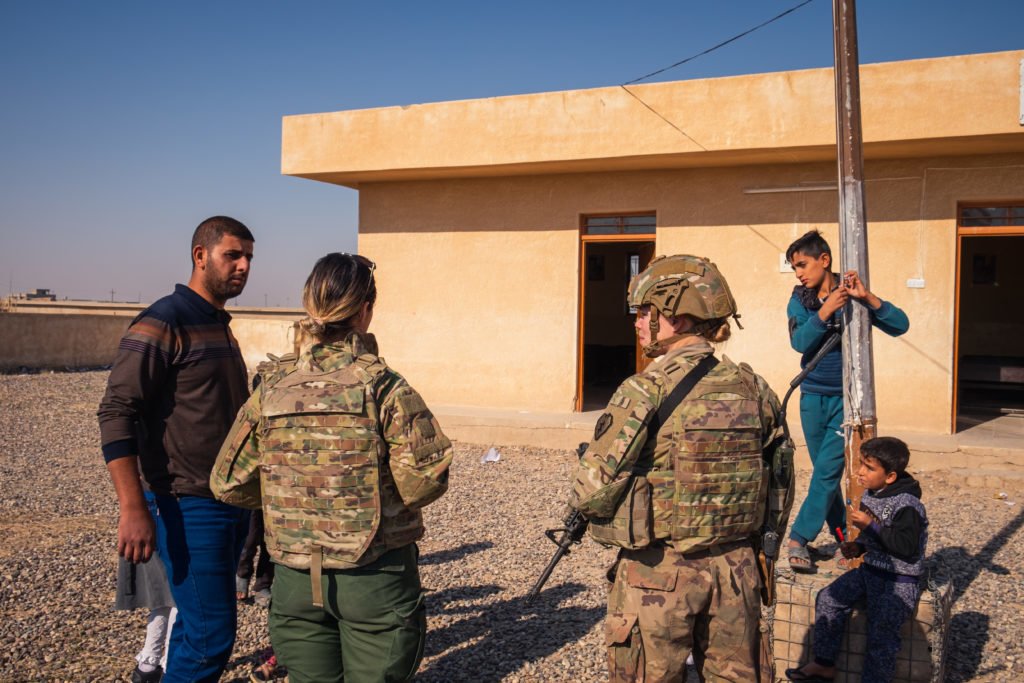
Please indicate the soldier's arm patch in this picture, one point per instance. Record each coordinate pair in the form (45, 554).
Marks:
(419, 452)
(424, 427)
(603, 423)
(410, 404)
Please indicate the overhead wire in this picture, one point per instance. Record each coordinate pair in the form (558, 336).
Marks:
(721, 44)
(693, 57)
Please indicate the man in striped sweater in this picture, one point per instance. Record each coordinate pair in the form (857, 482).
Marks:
(173, 393)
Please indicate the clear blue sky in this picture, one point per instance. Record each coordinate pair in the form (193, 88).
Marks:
(123, 124)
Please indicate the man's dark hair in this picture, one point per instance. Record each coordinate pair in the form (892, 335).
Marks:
(809, 244)
(889, 451)
(210, 232)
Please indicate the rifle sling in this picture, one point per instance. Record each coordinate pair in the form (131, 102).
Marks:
(680, 391)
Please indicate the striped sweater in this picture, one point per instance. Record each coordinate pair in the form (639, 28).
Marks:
(173, 393)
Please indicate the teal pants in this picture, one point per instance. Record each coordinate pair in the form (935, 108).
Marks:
(822, 420)
(370, 630)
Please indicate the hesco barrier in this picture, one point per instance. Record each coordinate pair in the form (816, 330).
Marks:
(922, 654)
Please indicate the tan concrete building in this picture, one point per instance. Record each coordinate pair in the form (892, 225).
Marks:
(505, 229)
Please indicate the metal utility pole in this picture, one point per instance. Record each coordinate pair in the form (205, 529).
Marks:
(861, 421)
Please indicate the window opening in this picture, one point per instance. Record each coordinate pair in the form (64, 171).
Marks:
(619, 225)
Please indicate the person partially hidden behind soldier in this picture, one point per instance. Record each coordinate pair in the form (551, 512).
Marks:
(177, 382)
(341, 454)
(678, 477)
(814, 312)
(894, 535)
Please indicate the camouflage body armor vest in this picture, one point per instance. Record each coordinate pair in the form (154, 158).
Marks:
(326, 487)
(710, 485)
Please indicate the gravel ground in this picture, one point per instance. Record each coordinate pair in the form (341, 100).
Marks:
(484, 547)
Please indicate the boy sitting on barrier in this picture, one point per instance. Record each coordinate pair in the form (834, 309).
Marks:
(894, 533)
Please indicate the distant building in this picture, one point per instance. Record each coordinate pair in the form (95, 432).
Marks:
(37, 295)
(505, 229)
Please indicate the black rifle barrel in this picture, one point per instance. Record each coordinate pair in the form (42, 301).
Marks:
(574, 529)
(546, 574)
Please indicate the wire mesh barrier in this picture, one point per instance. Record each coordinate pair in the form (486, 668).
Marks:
(922, 654)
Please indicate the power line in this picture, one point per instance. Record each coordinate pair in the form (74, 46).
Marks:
(662, 117)
(722, 44)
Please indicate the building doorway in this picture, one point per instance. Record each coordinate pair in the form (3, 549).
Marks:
(989, 354)
(612, 250)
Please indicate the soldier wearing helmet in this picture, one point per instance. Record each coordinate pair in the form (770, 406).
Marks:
(680, 477)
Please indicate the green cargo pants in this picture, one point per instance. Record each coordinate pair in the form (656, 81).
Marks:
(370, 629)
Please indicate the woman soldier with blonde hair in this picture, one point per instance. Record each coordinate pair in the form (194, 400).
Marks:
(341, 454)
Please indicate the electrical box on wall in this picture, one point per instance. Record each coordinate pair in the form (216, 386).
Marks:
(784, 265)
(916, 283)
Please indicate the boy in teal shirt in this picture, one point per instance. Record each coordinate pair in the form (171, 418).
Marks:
(814, 312)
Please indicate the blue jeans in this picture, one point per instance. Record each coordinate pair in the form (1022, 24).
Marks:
(822, 420)
(199, 540)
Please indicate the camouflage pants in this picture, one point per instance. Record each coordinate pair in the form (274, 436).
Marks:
(664, 605)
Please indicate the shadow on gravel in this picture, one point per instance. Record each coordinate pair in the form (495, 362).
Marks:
(968, 636)
(969, 631)
(962, 568)
(443, 556)
(505, 635)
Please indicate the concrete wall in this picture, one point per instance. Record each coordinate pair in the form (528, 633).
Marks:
(478, 278)
(44, 339)
(59, 340)
(258, 336)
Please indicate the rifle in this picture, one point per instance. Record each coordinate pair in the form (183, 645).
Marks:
(829, 344)
(770, 541)
(575, 526)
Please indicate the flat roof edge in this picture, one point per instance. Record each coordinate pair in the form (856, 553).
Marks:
(917, 106)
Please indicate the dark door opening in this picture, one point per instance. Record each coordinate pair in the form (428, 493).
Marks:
(990, 329)
(609, 347)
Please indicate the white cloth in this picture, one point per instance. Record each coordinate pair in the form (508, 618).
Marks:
(158, 636)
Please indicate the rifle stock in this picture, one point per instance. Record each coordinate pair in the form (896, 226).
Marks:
(767, 548)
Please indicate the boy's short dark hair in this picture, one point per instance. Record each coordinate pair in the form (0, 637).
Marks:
(810, 244)
(889, 451)
(210, 232)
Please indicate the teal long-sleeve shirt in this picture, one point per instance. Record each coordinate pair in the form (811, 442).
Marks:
(807, 332)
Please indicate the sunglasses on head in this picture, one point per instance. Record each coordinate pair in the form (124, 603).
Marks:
(359, 258)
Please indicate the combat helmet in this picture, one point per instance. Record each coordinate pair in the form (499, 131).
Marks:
(682, 285)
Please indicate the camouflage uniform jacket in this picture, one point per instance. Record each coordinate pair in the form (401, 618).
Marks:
(340, 453)
(732, 395)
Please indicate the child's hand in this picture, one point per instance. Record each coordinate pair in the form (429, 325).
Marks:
(858, 518)
(835, 300)
(851, 549)
(855, 287)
